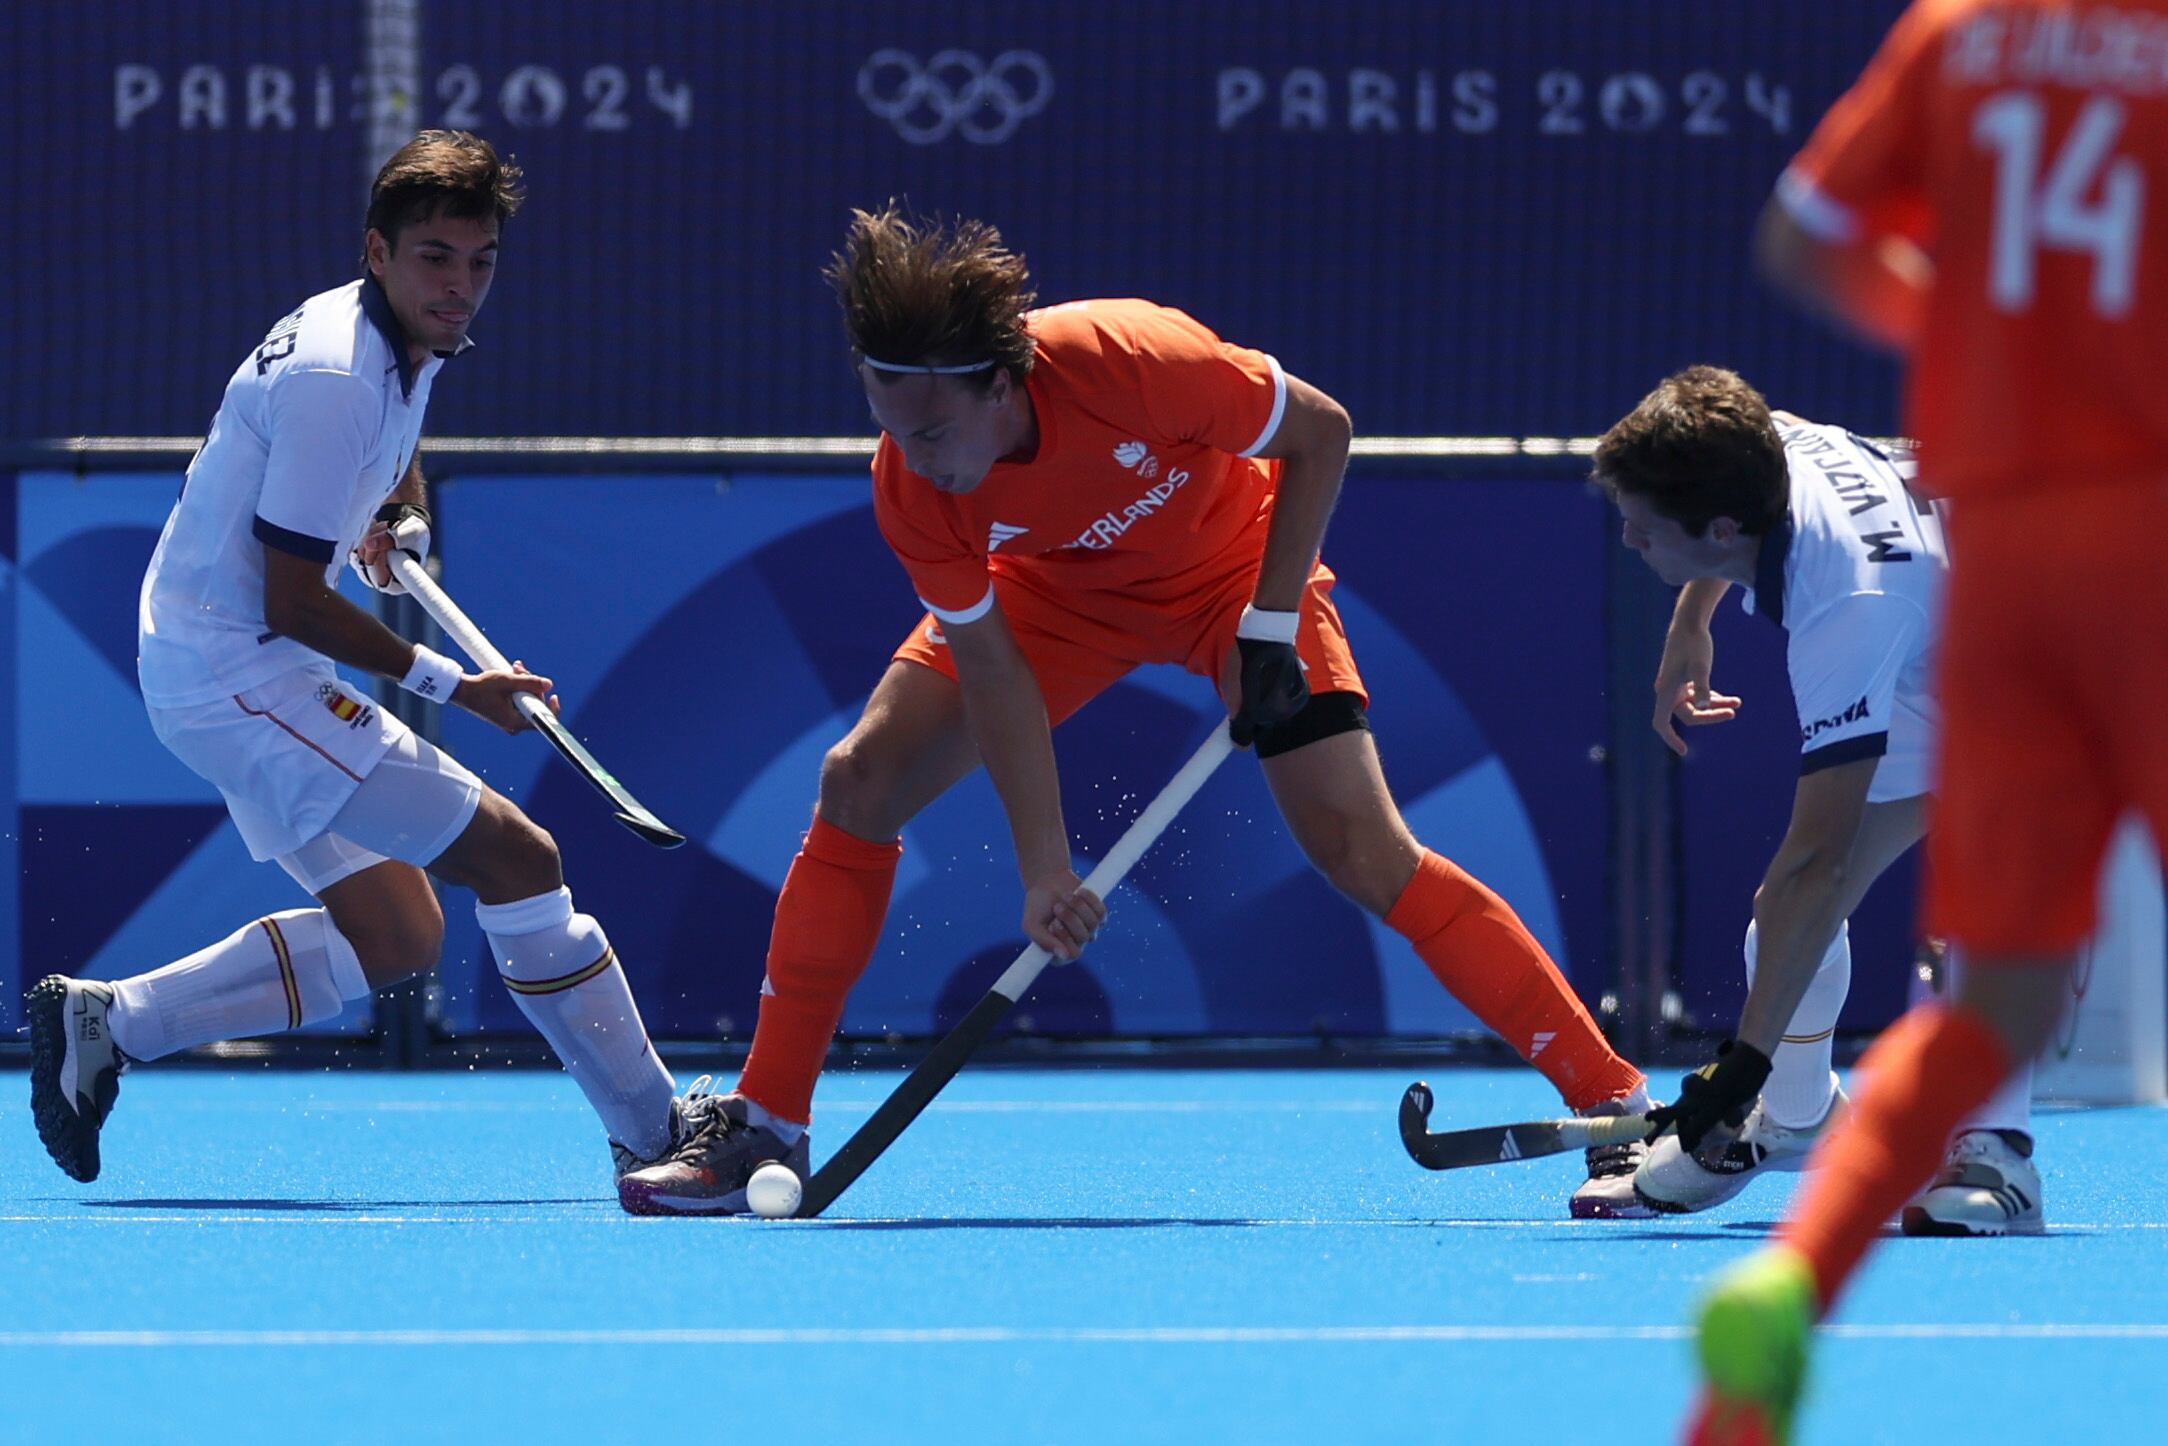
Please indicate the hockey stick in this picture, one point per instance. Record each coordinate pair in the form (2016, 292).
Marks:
(955, 1048)
(1499, 1144)
(461, 629)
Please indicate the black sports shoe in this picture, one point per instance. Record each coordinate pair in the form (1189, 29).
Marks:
(75, 1069)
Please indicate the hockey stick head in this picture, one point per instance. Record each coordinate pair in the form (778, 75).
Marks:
(651, 831)
(1415, 1115)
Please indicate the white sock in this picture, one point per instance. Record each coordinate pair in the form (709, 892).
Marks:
(565, 978)
(278, 973)
(1801, 1085)
(2010, 1107)
(788, 1131)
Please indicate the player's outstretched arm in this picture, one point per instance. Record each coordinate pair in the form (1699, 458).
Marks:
(1683, 692)
(1006, 714)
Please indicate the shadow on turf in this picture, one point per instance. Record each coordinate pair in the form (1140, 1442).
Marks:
(319, 1206)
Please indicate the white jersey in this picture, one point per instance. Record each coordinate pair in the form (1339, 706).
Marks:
(1854, 575)
(317, 428)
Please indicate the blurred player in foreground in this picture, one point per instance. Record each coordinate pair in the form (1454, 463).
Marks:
(1987, 199)
(313, 458)
(1073, 492)
(1820, 529)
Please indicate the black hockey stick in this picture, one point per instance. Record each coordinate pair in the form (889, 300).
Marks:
(955, 1048)
(1500, 1144)
(461, 629)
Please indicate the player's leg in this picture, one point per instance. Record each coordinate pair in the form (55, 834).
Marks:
(908, 748)
(1927, 1072)
(1324, 773)
(562, 973)
(1989, 1183)
(289, 758)
(1333, 795)
(2037, 765)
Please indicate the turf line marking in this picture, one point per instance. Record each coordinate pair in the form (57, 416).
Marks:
(1009, 1335)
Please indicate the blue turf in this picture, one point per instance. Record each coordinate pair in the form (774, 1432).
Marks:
(1056, 1219)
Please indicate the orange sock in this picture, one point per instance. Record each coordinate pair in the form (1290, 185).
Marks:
(827, 922)
(1486, 958)
(1928, 1071)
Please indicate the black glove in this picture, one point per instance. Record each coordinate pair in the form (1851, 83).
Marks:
(1718, 1093)
(1273, 687)
(394, 513)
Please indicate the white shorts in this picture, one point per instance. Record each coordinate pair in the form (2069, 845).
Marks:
(1907, 768)
(322, 779)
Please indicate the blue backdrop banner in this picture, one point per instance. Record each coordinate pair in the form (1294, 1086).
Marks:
(1458, 218)
(713, 637)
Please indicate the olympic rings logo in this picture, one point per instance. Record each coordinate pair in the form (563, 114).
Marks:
(955, 93)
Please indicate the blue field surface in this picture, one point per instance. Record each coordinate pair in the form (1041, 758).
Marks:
(1074, 1256)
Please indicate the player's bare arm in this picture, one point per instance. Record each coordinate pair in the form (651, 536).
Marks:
(1264, 683)
(1811, 885)
(1683, 691)
(1312, 444)
(1006, 715)
(1875, 286)
(1805, 894)
(299, 604)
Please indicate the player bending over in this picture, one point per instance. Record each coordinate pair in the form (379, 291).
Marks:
(1989, 199)
(1016, 446)
(312, 458)
(1820, 529)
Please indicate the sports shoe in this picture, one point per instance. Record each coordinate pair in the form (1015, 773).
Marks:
(706, 1175)
(688, 1112)
(1752, 1341)
(75, 1069)
(1608, 1192)
(1673, 1182)
(1986, 1188)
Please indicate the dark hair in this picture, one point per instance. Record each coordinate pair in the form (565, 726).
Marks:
(451, 173)
(1699, 447)
(921, 293)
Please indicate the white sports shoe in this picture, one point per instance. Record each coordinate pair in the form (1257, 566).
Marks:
(1986, 1188)
(1673, 1182)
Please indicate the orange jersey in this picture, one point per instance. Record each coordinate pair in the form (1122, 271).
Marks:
(2024, 145)
(1144, 484)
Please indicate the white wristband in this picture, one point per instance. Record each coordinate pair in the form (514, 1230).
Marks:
(1268, 627)
(433, 676)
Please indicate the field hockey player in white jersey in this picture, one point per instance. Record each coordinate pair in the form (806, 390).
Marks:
(312, 463)
(1822, 531)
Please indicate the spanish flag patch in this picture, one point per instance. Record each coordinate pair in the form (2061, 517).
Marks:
(345, 709)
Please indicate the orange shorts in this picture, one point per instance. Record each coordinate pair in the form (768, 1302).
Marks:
(1079, 644)
(2055, 710)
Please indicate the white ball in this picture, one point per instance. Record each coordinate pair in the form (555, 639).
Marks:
(773, 1191)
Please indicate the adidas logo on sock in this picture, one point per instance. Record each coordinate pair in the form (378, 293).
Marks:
(1536, 1044)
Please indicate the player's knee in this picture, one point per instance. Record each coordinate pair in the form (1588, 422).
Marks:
(531, 857)
(857, 784)
(397, 944)
(1357, 858)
